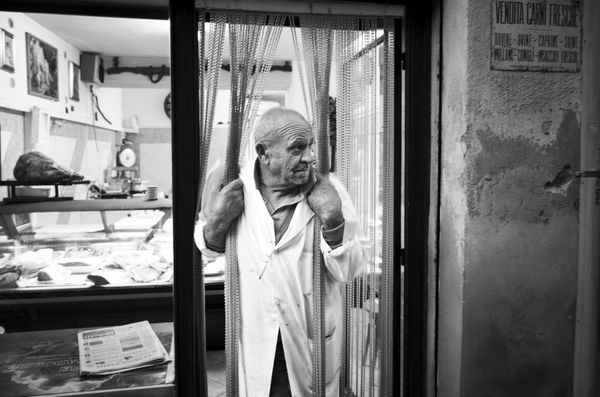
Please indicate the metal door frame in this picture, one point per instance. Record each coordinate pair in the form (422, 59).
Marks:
(417, 361)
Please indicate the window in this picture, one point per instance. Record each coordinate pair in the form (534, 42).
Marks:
(86, 212)
(154, 302)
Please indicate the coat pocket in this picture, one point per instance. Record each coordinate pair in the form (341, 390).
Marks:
(332, 350)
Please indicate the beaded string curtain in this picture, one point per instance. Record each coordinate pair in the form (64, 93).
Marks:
(211, 40)
(389, 156)
(253, 39)
(209, 73)
(365, 153)
(314, 54)
(363, 64)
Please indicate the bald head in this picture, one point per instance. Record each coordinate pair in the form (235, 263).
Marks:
(284, 145)
(277, 123)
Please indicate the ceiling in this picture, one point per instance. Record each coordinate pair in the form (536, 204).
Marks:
(125, 37)
(110, 36)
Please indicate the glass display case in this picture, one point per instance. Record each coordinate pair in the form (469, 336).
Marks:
(87, 263)
(64, 262)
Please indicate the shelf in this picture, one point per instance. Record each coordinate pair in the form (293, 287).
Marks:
(213, 283)
(42, 182)
(31, 295)
(85, 205)
(17, 295)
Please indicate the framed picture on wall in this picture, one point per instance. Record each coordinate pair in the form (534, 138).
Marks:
(7, 54)
(42, 68)
(73, 81)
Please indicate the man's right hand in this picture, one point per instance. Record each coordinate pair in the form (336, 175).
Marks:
(222, 211)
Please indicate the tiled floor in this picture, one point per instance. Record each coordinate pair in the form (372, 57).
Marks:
(360, 369)
(215, 374)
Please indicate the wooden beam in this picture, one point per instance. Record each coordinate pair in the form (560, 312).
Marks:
(587, 326)
(155, 9)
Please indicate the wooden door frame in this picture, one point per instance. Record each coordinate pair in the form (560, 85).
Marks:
(418, 266)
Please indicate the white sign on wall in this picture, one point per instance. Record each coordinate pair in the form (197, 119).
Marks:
(536, 35)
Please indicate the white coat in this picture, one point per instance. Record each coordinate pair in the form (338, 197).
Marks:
(276, 290)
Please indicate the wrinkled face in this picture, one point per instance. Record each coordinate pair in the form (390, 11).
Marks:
(290, 158)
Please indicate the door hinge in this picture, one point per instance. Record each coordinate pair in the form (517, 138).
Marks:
(588, 174)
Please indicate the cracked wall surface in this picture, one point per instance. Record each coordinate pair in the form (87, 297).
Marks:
(508, 233)
(512, 177)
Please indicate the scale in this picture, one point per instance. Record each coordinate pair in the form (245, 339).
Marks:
(118, 179)
(126, 156)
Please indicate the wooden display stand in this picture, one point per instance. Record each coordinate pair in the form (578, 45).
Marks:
(14, 198)
(52, 359)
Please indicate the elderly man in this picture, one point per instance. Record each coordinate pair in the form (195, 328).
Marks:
(273, 204)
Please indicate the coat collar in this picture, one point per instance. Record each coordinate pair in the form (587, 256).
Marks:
(254, 168)
(302, 214)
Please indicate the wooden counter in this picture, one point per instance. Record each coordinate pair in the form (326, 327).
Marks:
(85, 205)
(47, 362)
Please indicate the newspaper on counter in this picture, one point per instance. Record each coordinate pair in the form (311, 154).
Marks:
(122, 348)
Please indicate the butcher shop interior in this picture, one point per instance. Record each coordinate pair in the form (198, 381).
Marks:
(464, 133)
(86, 179)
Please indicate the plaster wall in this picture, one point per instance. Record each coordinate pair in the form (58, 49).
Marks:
(77, 137)
(13, 85)
(147, 106)
(508, 244)
(85, 149)
(294, 97)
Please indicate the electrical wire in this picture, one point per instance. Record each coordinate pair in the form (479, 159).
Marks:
(97, 105)
(92, 95)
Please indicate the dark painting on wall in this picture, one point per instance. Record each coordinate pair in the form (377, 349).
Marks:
(42, 68)
(7, 55)
(73, 81)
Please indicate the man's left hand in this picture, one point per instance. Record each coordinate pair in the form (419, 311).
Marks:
(325, 202)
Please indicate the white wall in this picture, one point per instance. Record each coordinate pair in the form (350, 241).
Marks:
(147, 105)
(13, 86)
(294, 97)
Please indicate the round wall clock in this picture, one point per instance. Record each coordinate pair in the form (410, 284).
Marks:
(167, 105)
